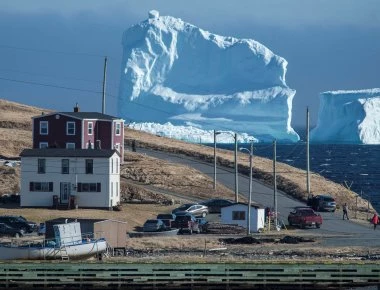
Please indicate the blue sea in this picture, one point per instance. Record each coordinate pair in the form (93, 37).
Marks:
(355, 166)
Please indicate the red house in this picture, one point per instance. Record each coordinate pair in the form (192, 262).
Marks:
(78, 130)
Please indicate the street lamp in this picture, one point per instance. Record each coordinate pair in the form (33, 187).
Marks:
(250, 186)
(215, 133)
(236, 163)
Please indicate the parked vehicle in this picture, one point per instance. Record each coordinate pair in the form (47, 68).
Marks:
(215, 205)
(154, 226)
(193, 208)
(187, 223)
(41, 229)
(16, 222)
(33, 225)
(6, 230)
(322, 202)
(303, 217)
(167, 218)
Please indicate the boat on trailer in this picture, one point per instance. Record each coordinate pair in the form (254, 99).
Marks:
(69, 243)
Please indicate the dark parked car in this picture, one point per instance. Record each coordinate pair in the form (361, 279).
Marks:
(186, 222)
(154, 226)
(167, 218)
(303, 217)
(33, 225)
(16, 222)
(322, 202)
(215, 205)
(6, 230)
(193, 208)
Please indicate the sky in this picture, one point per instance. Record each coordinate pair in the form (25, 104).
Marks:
(52, 52)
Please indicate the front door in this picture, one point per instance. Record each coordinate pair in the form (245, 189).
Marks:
(65, 192)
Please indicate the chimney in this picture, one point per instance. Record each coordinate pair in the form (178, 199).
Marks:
(76, 108)
(98, 144)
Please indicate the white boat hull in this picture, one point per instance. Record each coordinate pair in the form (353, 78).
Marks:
(85, 249)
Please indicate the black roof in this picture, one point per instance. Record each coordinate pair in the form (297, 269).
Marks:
(84, 115)
(59, 152)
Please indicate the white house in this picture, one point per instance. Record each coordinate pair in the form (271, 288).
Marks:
(89, 177)
(237, 214)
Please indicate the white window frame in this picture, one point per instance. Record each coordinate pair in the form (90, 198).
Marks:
(47, 127)
(67, 128)
(44, 145)
(117, 128)
(111, 189)
(90, 129)
(70, 145)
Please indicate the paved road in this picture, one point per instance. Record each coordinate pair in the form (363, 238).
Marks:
(336, 231)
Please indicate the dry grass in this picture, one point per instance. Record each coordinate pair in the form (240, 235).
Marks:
(289, 179)
(142, 174)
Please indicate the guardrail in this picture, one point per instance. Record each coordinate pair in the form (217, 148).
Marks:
(122, 275)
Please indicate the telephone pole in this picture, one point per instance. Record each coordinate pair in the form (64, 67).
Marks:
(104, 86)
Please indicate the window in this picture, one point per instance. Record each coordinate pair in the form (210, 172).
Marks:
(117, 165)
(117, 128)
(44, 145)
(65, 166)
(44, 128)
(89, 166)
(90, 128)
(89, 187)
(70, 128)
(111, 165)
(41, 165)
(41, 186)
(238, 215)
(117, 188)
(70, 145)
(111, 189)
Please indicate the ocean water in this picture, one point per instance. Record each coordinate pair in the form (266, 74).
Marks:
(355, 166)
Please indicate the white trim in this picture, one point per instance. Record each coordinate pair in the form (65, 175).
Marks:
(43, 145)
(88, 128)
(47, 127)
(67, 128)
(116, 125)
(82, 145)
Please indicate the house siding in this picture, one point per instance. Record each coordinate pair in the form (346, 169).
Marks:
(257, 216)
(56, 136)
(77, 174)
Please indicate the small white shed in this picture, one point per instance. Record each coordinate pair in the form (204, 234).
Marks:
(237, 214)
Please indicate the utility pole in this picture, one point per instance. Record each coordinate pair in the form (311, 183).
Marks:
(215, 133)
(104, 86)
(274, 184)
(307, 154)
(250, 186)
(236, 171)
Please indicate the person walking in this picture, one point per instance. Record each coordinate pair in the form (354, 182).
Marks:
(375, 220)
(345, 211)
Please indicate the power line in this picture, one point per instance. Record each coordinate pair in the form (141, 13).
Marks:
(51, 51)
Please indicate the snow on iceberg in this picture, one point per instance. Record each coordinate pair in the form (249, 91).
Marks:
(175, 72)
(348, 117)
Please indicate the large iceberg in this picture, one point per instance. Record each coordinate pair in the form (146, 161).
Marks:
(174, 72)
(348, 117)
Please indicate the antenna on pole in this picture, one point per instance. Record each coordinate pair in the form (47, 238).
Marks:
(307, 154)
(104, 86)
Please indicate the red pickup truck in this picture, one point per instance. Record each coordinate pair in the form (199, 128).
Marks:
(186, 223)
(304, 217)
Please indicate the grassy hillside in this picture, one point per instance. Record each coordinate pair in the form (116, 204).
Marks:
(144, 177)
